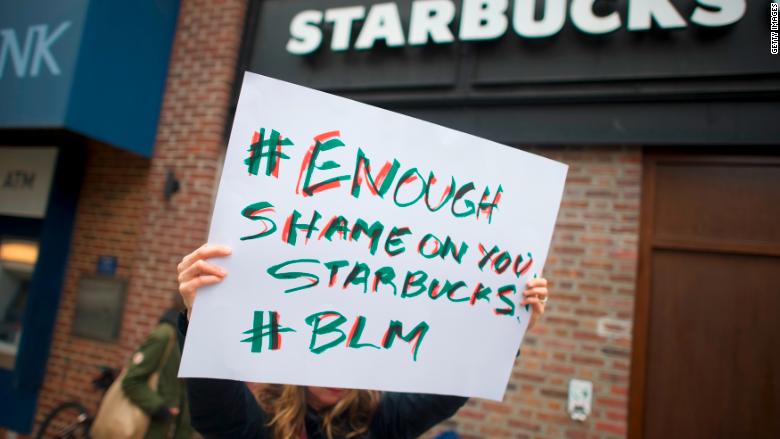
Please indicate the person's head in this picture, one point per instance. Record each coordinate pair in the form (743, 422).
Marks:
(344, 412)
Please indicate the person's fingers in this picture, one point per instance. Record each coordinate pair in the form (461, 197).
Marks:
(203, 252)
(540, 292)
(174, 411)
(189, 288)
(194, 272)
(201, 267)
(537, 282)
(533, 301)
(192, 285)
(188, 259)
(537, 306)
(535, 295)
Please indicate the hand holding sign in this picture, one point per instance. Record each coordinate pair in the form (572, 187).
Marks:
(369, 250)
(536, 296)
(195, 272)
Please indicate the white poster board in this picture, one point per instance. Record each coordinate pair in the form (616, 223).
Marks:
(329, 285)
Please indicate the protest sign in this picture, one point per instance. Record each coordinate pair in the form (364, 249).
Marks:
(370, 249)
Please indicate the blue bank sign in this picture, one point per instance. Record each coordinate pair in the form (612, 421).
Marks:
(27, 52)
(73, 65)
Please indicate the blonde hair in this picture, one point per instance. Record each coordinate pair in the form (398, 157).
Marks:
(286, 407)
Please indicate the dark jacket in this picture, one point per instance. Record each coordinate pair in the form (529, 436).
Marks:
(171, 391)
(227, 409)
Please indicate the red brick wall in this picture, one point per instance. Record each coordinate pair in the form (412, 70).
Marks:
(107, 223)
(585, 333)
(190, 143)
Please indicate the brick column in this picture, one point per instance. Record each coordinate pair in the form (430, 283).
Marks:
(106, 223)
(190, 142)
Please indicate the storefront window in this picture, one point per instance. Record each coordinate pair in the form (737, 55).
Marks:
(17, 261)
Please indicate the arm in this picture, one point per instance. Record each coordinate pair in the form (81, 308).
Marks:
(408, 415)
(223, 408)
(144, 363)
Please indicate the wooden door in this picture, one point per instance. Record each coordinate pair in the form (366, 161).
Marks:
(706, 354)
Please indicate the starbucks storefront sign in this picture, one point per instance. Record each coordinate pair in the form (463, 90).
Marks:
(431, 21)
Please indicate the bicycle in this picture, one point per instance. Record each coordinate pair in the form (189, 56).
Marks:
(70, 419)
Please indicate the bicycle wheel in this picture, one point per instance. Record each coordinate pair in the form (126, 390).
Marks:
(69, 420)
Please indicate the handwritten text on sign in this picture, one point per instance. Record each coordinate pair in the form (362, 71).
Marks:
(355, 232)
